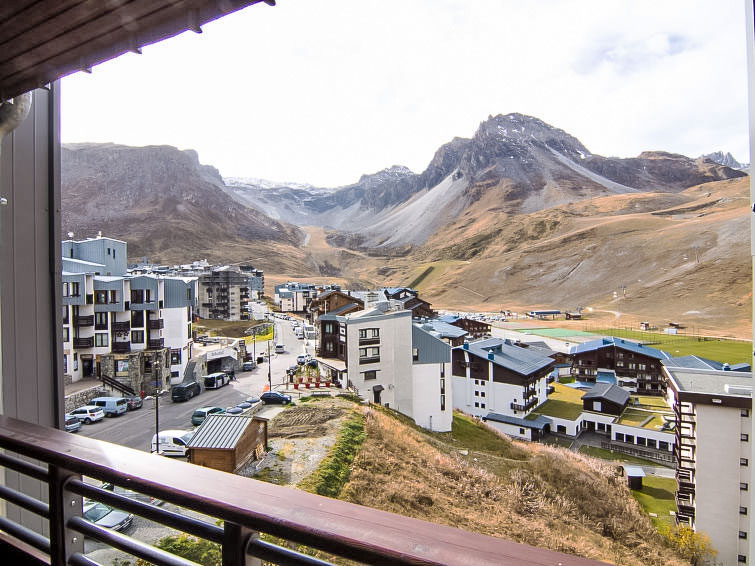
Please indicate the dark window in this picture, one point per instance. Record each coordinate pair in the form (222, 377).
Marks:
(743, 486)
(137, 295)
(113, 296)
(137, 336)
(630, 439)
(741, 558)
(482, 405)
(415, 354)
(100, 320)
(175, 357)
(743, 461)
(521, 431)
(620, 436)
(641, 441)
(100, 339)
(744, 437)
(442, 402)
(743, 510)
(75, 289)
(743, 534)
(137, 319)
(477, 405)
(663, 445)
(745, 412)
(372, 374)
(100, 297)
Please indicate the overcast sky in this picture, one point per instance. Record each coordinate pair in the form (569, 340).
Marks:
(321, 92)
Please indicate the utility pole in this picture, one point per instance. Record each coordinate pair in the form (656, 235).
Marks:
(269, 371)
(157, 421)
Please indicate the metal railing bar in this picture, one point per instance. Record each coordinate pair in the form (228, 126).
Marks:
(78, 559)
(26, 468)
(195, 527)
(281, 555)
(26, 535)
(127, 544)
(25, 501)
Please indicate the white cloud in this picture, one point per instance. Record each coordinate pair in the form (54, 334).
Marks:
(322, 92)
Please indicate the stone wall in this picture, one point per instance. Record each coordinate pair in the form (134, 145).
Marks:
(83, 397)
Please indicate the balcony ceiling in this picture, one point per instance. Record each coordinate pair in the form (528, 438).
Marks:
(44, 40)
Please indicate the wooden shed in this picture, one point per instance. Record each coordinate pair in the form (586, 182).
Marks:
(228, 442)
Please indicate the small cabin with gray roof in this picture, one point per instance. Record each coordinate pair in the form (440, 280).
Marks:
(605, 398)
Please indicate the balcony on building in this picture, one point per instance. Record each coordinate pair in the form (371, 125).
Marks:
(83, 320)
(156, 343)
(156, 324)
(369, 341)
(83, 342)
(526, 407)
(121, 347)
(124, 326)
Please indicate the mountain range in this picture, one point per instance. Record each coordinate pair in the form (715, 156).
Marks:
(521, 213)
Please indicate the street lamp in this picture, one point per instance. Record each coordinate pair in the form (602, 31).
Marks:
(157, 418)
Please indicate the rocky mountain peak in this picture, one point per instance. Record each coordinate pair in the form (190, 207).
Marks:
(726, 159)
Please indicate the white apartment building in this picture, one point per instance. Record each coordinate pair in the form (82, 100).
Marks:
(387, 359)
(501, 383)
(713, 455)
(107, 312)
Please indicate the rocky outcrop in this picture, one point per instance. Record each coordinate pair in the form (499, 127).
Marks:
(726, 159)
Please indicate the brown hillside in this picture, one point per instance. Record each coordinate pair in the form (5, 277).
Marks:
(533, 494)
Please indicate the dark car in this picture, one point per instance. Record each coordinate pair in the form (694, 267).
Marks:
(185, 391)
(134, 403)
(275, 398)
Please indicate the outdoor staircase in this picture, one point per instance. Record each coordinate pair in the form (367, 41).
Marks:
(117, 385)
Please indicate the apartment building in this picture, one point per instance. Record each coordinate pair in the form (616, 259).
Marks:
(294, 296)
(630, 365)
(385, 358)
(226, 293)
(713, 411)
(109, 314)
(501, 383)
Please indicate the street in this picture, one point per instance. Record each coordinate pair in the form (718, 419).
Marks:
(136, 428)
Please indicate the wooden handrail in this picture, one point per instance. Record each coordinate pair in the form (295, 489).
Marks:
(345, 529)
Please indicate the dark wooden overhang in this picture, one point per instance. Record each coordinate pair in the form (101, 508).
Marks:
(44, 40)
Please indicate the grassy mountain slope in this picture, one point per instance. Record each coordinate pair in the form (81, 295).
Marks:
(476, 480)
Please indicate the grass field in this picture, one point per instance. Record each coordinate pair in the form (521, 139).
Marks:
(657, 496)
(633, 417)
(565, 402)
(732, 351)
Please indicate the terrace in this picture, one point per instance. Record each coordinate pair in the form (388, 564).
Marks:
(564, 403)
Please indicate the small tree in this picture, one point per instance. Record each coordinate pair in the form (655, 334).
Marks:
(693, 545)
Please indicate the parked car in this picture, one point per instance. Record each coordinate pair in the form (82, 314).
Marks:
(253, 399)
(248, 366)
(301, 359)
(89, 414)
(172, 442)
(73, 423)
(185, 391)
(280, 348)
(275, 398)
(312, 363)
(134, 403)
(105, 516)
(201, 414)
(112, 406)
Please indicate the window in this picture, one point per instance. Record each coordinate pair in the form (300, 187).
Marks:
(100, 320)
(100, 339)
(663, 445)
(743, 534)
(743, 486)
(113, 296)
(641, 441)
(476, 393)
(651, 443)
(641, 366)
(66, 289)
(137, 336)
(442, 402)
(415, 354)
(743, 462)
(369, 333)
(137, 319)
(632, 365)
(367, 375)
(482, 405)
(630, 438)
(100, 297)
(74, 288)
(619, 364)
(744, 437)
(521, 430)
(66, 335)
(188, 331)
(75, 362)
(741, 558)
(65, 364)
(329, 347)
(743, 510)
(745, 412)
(482, 394)
(137, 296)
(175, 357)
(372, 352)
(620, 436)
(329, 328)
(477, 404)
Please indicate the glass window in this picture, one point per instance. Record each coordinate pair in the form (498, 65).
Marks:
(372, 374)
(415, 354)
(137, 336)
(744, 437)
(100, 339)
(743, 462)
(620, 436)
(175, 356)
(100, 297)
(743, 510)
(66, 289)
(113, 296)
(745, 412)
(743, 486)
(74, 288)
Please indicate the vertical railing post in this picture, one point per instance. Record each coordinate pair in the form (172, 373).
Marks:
(63, 505)
(235, 542)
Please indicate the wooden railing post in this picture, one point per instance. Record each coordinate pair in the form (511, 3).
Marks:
(63, 505)
(235, 542)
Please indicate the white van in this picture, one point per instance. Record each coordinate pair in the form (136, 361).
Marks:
(280, 348)
(299, 332)
(111, 406)
(216, 380)
(172, 442)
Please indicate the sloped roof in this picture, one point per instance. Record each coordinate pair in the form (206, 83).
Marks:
(220, 431)
(507, 355)
(609, 392)
(45, 40)
(442, 329)
(696, 362)
(538, 422)
(610, 341)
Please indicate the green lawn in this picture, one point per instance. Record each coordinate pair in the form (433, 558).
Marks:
(732, 351)
(657, 496)
(603, 454)
(633, 417)
(565, 402)
(650, 402)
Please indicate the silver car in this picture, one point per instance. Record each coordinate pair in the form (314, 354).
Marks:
(105, 516)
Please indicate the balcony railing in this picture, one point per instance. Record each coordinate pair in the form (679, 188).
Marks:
(121, 326)
(83, 342)
(156, 324)
(526, 407)
(369, 360)
(156, 343)
(369, 341)
(245, 507)
(83, 320)
(121, 347)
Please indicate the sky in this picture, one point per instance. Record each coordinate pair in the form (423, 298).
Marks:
(321, 92)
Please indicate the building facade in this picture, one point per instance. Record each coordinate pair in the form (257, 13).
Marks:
(226, 293)
(713, 456)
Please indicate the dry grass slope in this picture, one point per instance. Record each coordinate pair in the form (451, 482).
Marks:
(533, 494)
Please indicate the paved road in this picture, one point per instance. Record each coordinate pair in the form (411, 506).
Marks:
(136, 428)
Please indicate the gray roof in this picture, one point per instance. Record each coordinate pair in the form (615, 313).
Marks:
(220, 431)
(507, 355)
(696, 362)
(609, 392)
(430, 349)
(628, 345)
(538, 423)
(724, 383)
(442, 329)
